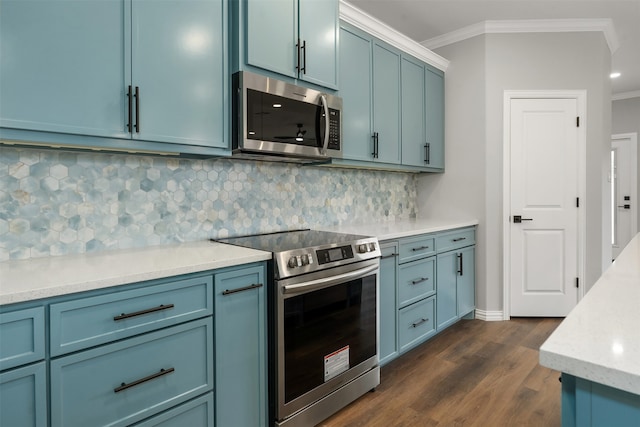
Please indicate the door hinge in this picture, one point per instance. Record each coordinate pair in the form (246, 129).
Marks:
(578, 121)
(577, 202)
(577, 282)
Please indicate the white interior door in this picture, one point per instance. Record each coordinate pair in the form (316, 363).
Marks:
(624, 219)
(544, 194)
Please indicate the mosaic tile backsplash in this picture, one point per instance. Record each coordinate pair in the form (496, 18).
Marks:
(56, 202)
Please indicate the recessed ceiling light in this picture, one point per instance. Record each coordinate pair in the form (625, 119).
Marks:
(614, 75)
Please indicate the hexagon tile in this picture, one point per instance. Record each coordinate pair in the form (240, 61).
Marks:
(56, 202)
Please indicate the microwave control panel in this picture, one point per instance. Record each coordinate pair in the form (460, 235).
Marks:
(334, 129)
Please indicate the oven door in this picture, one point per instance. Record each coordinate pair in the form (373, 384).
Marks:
(326, 333)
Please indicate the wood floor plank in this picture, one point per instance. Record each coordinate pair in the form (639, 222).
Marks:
(475, 373)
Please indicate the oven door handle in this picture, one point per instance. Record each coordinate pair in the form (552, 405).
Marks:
(325, 282)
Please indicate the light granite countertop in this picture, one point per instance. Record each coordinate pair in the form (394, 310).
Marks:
(387, 230)
(600, 339)
(31, 279)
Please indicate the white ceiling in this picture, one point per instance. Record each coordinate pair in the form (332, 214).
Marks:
(422, 20)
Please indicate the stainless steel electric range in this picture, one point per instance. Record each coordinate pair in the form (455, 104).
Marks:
(322, 304)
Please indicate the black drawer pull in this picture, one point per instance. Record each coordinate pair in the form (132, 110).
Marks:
(125, 386)
(389, 256)
(246, 288)
(421, 248)
(142, 312)
(419, 322)
(420, 280)
(459, 239)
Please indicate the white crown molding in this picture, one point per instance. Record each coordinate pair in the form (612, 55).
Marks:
(625, 95)
(528, 26)
(366, 22)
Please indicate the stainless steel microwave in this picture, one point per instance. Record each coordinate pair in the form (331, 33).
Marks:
(275, 120)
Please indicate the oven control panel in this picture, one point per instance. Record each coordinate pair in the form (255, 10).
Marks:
(334, 254)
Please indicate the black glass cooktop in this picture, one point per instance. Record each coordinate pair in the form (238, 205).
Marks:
(290, 240)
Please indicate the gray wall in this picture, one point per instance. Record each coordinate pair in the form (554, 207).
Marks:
(481, 70)
(626, 119)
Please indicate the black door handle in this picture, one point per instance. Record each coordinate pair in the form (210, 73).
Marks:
(517, 219)
(625, 206)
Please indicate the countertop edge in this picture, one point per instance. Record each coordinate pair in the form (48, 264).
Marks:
(397, 229)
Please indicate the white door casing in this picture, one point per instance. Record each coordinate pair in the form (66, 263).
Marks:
(544, 160)
(624, 218)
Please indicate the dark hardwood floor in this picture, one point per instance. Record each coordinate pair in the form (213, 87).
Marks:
(475, 373)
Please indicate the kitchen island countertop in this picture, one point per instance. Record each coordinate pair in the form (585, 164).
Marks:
(35, 278)
(600, 339)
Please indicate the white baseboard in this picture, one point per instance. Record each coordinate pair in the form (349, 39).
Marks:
(489, 316)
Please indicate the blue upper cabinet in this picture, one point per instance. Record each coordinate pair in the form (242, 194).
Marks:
(434, 86)
(64, 66)
(179, 71)
(293, 38)
(414, 146)
(355, 90)
(117, 75)
(386, 103)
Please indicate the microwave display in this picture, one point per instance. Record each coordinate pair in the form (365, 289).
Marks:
(284, 120)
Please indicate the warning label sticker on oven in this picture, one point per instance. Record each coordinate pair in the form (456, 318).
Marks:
(336, 363)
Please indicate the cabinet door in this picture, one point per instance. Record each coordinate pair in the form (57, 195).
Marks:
(434, 82)
(23, 396)
(241, 370)
(413, 114)
(355, 90)
(466, 281)
(63, 66)
(179, 68)
(319, 33)
(388, 302)
(447, 305)
(386, 103)
(272, 34)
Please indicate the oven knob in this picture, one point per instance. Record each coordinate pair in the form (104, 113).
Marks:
(372, 247)
(293, 262)
(305, 259)
(362, 249)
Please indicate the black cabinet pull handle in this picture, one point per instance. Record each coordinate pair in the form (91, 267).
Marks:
(460, 271)
(137, 96)
(375, 145)
(142, 312)
(298, 56)
(304, 57)
(459, 239)
(389, 256)
(246, 288)
(419, 322)
(421, 248)
(427, 153)
(130, 101)
(125, 386)
(420, 280)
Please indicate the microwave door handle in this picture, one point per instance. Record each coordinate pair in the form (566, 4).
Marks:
(312, 285)
(325, 107)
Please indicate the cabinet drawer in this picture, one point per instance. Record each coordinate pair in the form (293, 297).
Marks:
(127, 381)
(416, 247)
(416, 281)
(416, 323)
(21, 337)
(23, 396)
(456, 239)
(87, 322)
(195, 413)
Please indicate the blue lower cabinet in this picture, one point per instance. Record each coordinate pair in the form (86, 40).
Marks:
(22, 335)
(23, 396)
(241, 361)
(127, 381)
(416, 323)
(589, 404)
(195, 413)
